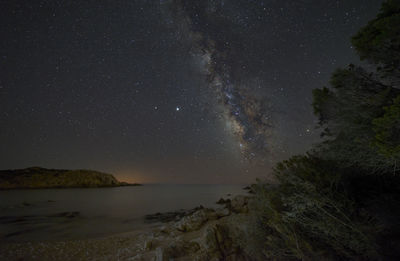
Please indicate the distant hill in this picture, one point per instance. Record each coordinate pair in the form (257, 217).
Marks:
(37, 177)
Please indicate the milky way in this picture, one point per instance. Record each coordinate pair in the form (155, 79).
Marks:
(246, 114)
(183, 91)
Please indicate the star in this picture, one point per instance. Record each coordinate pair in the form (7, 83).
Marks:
(223, 73)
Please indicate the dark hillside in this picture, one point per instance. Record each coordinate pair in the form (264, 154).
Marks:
(37, 177)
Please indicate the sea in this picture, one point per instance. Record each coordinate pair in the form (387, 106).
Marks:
(68, 214)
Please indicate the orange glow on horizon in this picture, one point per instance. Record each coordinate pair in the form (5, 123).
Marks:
(131, 177)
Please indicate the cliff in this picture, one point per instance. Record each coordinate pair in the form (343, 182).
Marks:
(37, 177)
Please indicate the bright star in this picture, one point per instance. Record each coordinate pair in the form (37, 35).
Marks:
(177, 108)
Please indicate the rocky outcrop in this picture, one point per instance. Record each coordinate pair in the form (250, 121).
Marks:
(202, 235)
(237, 205)
(170, 216)
(196, 220)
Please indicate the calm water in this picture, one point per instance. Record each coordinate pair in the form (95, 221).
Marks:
(36, 214)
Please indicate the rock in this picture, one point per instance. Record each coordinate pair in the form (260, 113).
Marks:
(159, 254)
(222, 212)
(176, 249)
(192, 222)
(223, 201)
(165, 217)
(211, 214)
(202, 234)
(249, 189)
(170, 216)
(220, 243)
(181, 248)
(72, 214)
(153, 240)
(165, 230)
(148, 244)
(201, 255)
(137, 257)
(239, 204)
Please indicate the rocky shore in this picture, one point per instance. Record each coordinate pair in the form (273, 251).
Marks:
(200, 234)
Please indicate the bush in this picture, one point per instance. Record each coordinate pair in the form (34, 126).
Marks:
(308, 216)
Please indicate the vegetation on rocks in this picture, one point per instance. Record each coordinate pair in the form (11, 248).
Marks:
(203, 234)
(36, 177)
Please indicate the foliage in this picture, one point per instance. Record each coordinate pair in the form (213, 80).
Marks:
(340, 201)
(387, 132)
(347, 112)
(308, 215)
(379, 41)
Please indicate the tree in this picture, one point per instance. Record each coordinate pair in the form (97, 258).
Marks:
(379, 41)
(331, 204)
(347, 112)
(387, 132)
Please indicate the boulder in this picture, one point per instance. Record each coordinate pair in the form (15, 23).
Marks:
(165, 217)
(222, 212)
(218, 239)
(182, 248)
(193, 222)
(223, 201)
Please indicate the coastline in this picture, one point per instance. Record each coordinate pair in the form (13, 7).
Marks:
(185, 238)
(73, 187)
(43, 178)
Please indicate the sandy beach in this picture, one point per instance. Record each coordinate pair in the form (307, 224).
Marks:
(118, 247)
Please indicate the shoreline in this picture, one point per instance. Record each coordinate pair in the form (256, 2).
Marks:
(105, 248)
(184, 238)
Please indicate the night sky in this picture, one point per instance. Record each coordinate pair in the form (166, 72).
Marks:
(177, 91)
